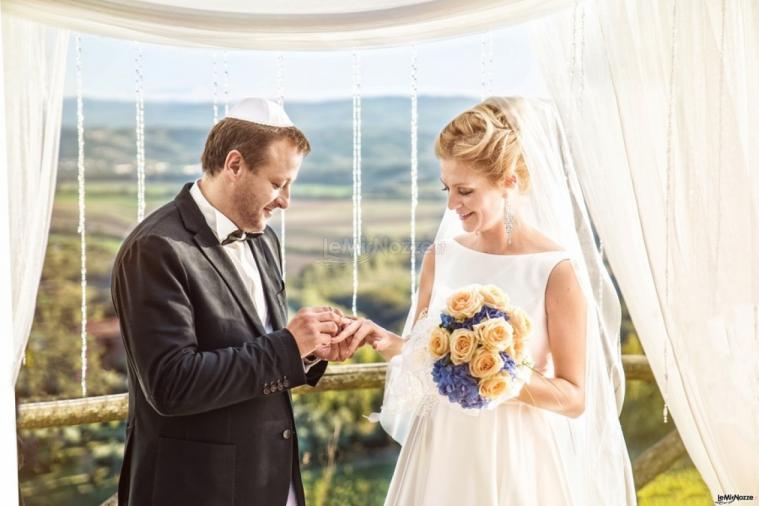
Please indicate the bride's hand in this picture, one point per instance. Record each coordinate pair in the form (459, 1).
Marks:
(358, 331)
(388, 344)
(367, 332)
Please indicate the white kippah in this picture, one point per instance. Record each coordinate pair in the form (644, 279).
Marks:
(261, 111)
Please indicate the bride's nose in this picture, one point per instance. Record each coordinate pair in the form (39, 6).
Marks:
(452, 201)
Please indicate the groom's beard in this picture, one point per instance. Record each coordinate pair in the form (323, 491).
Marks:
(251, 212)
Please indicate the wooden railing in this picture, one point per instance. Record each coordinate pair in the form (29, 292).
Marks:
(654, 461)
(107, 408)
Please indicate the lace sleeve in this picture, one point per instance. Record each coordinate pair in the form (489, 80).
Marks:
(408, 382)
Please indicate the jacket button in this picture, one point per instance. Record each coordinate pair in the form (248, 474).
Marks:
(287, 434)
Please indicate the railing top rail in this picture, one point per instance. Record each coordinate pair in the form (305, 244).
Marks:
(106, 408)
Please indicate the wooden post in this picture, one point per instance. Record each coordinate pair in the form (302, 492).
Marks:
(657, 459)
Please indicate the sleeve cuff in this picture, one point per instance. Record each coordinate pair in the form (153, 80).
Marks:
(310, 361)
(291, 364)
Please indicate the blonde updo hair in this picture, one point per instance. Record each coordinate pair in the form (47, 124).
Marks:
(487, 137)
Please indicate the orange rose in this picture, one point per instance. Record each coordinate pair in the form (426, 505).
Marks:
(521, 322)
(485, 363)
(494, 387)
(495, 334)
(463, 345)
(439, 342)
(464, 304)
(522, 326)
(494, 297)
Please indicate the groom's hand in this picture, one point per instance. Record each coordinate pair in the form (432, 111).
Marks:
(336, 351)
(314, 327)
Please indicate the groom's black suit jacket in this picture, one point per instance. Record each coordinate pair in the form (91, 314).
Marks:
(210, 419)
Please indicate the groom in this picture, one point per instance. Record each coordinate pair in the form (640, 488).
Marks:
(211, 355)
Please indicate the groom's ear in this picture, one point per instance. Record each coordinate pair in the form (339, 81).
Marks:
(233, 162)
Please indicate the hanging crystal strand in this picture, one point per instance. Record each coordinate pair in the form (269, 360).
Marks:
(581, 73)
(82, 225)
(226, 82)
(577, 74)
(669, 196)
(355, 180)
(140, 131)
(280, 79)
(359, 184)
(414, 166)
(215, 87)
(719, 140)
(573, 50)
(577, 53)
(486, 65)
(483, 67)
(281, 102)
(490, 68)
(356, 173)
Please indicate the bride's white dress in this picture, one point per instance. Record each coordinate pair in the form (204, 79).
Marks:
(505, 456)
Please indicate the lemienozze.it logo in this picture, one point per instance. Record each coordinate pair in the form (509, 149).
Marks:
(731, 498)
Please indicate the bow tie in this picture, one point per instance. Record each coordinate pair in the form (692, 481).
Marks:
(239, 235)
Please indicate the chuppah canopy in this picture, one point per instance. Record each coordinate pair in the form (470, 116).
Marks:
(286, 25)
(660, 104)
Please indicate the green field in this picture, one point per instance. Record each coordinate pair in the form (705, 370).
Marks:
(314, 223)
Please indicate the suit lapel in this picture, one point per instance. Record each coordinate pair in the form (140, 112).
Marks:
(215, 254)
(270, 279)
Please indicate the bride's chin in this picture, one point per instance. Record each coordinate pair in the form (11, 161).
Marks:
(471, 224)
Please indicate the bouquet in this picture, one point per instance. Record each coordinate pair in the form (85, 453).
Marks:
(479, 348)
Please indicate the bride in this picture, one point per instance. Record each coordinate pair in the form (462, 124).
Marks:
(515, 219)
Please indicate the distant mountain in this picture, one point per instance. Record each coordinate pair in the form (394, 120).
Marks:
(434, 112)
(175, 134)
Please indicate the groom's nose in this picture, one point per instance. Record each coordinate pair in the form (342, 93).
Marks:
(283, 200)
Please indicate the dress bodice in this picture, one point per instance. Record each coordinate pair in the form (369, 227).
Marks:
(523, 277)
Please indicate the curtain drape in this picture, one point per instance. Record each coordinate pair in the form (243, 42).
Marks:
(8, 461)
(35, 62)
(659, 99)
(294, 25)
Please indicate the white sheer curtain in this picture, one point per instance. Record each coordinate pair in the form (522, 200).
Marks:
(35, 63)
(659, 99)
(8, 461)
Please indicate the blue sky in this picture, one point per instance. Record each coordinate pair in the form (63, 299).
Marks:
(450, 67)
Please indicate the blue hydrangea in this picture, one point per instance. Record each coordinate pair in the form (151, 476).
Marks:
(487, 313)
(449, 323)
(455, 383)
(509, 365)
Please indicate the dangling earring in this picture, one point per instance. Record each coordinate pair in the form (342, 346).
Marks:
(509, 220)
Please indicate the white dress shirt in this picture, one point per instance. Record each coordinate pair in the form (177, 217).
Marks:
(242, 258)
